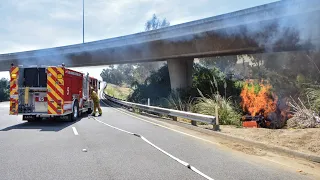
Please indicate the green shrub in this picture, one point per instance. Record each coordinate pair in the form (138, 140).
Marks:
(4, 89)
(180, 100)
(156, 87)
(226, 112)
(313, 98)
(211, 82)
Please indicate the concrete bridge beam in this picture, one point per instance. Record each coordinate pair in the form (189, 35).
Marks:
(180, 71)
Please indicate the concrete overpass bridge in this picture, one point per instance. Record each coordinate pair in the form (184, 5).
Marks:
(275, 27)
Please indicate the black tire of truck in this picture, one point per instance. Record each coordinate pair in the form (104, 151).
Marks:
(75, 112)
(90, 109)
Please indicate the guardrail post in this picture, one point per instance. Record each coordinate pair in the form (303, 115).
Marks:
(148, 101)
(216, 126)
(194, 123)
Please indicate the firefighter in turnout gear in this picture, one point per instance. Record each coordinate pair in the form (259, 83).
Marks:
(96, 102)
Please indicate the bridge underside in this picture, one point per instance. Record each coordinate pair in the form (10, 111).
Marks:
(289, 33)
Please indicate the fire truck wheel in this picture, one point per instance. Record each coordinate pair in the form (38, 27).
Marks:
(75, 112)
(90, 109)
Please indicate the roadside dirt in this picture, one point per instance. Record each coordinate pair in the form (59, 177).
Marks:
(302, 140)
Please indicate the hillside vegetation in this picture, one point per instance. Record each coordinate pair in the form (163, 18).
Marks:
(119, 92)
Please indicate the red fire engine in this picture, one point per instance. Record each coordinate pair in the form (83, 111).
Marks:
(54, 92)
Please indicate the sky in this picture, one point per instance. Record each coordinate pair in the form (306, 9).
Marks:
(37, 24)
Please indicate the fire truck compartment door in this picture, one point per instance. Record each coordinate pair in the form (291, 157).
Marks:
(41, 103)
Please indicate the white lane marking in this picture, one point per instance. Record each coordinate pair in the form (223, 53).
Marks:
(75, 131)
(196, 137)
(113, 126)
(123, 111)
(163, 151)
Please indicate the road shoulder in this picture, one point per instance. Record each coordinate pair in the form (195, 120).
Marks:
(234, 145)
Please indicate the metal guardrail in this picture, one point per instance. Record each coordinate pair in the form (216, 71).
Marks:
(169, 112)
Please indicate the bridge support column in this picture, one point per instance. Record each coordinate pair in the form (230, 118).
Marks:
(180, 71)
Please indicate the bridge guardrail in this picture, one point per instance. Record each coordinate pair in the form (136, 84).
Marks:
(170, 112)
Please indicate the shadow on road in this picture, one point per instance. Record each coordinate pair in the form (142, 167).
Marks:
(42, 125)
(102, 104)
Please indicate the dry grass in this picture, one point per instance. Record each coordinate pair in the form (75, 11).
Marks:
(119, 92)
(184, 120)
(304, 117)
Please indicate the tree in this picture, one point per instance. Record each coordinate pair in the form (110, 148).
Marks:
(135, 73)
(288, 72)
(122, 74)
(144, 70)
(156, 23)
(224, 63)
(156, 87)
(4, 89)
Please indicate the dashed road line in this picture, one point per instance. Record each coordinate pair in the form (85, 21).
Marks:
(158, 148)
(75, 131)
(144, 119)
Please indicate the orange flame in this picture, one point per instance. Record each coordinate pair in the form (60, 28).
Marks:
(258, 103)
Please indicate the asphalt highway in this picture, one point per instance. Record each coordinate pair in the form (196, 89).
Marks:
(92, 149)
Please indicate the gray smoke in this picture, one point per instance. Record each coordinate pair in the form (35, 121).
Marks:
(297, 26)
(47, 57)
(252, 28)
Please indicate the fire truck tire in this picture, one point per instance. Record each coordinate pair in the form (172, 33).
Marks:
(90, 109)
(75, 111)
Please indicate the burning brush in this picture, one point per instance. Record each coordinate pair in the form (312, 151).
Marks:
(263, 108)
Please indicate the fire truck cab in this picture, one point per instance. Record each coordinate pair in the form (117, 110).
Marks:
(50, 91)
